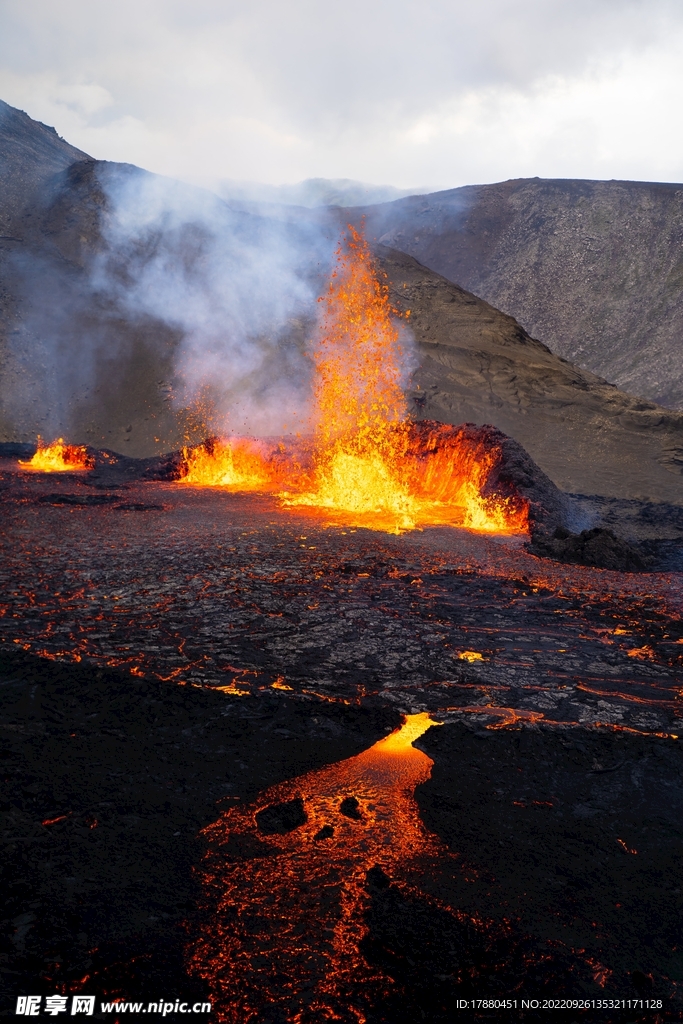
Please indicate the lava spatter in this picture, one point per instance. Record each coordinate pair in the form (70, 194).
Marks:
(237, 464)
(58, 457)
(370, 461)
(287, 879)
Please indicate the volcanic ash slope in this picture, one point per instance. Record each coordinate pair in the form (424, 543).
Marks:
(594, 269)
(478, 365)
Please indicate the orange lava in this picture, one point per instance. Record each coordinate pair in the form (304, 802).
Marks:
(238, 464)
(58, 457)
(368, 463)
(361, 437)
(286, 909)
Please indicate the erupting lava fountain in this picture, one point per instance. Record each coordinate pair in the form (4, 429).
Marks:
(367, 463)
(58, 457)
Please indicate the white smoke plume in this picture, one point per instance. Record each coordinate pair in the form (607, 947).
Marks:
(238, 289)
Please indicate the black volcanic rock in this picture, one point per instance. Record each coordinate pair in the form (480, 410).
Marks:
(350, 808)
(281, 818)
(17, 450)
(598, 547)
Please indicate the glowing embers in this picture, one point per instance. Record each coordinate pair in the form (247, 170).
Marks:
(58, 457)
(286, 884)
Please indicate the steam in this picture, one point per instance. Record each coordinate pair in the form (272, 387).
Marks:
(147, 308)
(61, 350)
(238, 289)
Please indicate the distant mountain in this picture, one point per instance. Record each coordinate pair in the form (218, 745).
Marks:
(312, 193)
(592, 268)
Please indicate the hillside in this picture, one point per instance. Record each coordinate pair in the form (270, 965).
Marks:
(32, 154)
(592, 268)
(94, 323)
(477, 364)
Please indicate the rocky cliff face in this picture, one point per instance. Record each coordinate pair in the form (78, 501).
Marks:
(31, 156)
(592, 268)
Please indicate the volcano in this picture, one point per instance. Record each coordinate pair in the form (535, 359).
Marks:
(371, 722)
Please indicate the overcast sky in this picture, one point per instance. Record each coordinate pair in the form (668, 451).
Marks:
(413, 93)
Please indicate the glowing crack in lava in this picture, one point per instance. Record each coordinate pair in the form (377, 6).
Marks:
(286, 883)
(367, 463)
(58, 457)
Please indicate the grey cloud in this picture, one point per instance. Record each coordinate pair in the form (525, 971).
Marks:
(436, 93)
(322, 65)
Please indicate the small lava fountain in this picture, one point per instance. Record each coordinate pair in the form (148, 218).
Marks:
(58, 457)
(237, 464)
(286, 883)
(367, 463)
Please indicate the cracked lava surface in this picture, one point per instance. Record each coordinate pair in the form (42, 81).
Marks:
(227, 590)
(229, 594)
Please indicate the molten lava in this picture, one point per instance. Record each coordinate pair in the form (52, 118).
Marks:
(58, 457)
(286, 883)
(368, 464)
(360, 410)
(236, 464)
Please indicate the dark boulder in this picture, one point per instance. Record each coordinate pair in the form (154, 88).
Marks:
(278, 819)
(599, 548)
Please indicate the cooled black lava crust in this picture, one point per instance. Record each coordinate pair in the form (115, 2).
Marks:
(321, 636)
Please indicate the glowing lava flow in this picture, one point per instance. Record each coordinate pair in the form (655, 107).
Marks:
(286, 883)
(369, 464)
(58, 457)
(370, 460)
(237, 463)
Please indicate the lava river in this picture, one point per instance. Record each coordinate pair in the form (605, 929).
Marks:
(287, 883)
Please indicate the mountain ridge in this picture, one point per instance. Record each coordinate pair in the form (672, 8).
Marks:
(592, 268)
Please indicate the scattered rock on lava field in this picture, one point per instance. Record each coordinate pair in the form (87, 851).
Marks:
(79, 499)
(278, 819)
(598, 547)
